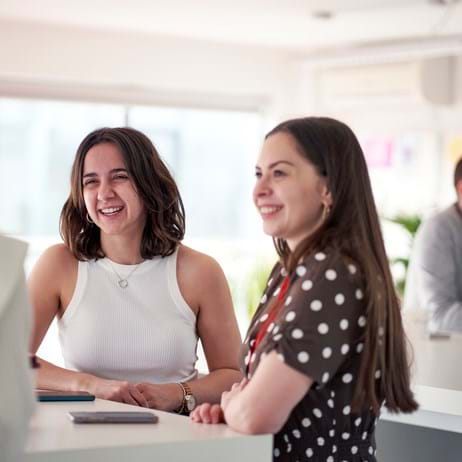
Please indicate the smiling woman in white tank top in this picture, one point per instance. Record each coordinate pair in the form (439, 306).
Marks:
(131, 301)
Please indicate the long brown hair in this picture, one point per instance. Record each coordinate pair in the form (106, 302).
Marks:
(352, 227)
(165, 220)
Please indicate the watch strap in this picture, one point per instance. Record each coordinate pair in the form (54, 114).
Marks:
(186, 393)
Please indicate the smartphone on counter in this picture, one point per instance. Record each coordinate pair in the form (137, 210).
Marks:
(113, 417)
(54, 395)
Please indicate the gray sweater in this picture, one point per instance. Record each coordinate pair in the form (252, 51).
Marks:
(434, 280)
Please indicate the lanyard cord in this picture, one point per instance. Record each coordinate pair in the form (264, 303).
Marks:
(263, 331)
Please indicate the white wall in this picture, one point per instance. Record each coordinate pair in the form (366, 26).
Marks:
(36, 59)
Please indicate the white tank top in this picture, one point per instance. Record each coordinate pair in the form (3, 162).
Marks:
(145, 332)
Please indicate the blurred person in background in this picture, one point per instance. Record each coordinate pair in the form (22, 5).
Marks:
(434, 279)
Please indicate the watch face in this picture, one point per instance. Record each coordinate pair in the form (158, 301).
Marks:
(190, 402)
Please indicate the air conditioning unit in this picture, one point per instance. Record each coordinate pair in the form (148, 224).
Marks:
(428, 80)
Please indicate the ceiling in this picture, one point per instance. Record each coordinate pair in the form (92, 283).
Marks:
(295, 25)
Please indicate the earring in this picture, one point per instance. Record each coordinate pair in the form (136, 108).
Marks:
(89, 219)
(325, 212)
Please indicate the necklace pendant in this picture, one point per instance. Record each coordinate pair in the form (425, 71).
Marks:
(123, 283)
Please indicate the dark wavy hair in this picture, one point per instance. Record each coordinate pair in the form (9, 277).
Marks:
(165, 218)
(353, 228)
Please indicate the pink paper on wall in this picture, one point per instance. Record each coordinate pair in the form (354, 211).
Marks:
(378, 151)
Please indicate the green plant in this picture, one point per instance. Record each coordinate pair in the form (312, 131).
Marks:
(410, 223)
(257, 279)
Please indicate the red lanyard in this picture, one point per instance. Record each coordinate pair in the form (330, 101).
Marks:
(271, 315)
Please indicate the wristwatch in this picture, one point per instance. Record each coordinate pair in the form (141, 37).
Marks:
(189, 401)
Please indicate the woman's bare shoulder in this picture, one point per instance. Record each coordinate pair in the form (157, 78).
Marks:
(190, 260)
(52, 281)
(199, 277)
(59, 254)
(57, 262)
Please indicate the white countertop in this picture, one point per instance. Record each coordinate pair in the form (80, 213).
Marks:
(436, 380)
(439, 409)
(435, 360)
(54, 437)
(437, 383)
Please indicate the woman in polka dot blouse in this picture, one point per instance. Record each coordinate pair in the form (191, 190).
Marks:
(326, 347)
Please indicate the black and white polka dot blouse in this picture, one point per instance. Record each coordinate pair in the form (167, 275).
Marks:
(319, 331)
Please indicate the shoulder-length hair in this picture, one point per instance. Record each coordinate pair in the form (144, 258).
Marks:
(352, 227)
(165, 218)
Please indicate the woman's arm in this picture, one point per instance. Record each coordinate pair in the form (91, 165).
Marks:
(218, 330)
(204, 288)
(263, 405)
(51, 285)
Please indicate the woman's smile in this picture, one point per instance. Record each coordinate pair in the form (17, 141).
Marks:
(269, 211)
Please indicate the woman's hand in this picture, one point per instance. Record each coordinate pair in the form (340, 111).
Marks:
(165, 397)
(214, 413)
(227, 396)
(115, 390)
(208, 413)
